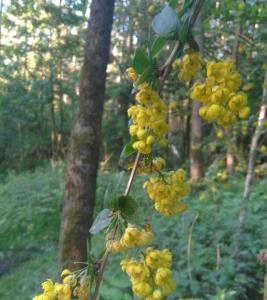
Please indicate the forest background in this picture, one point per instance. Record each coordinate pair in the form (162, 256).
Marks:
(41, 50)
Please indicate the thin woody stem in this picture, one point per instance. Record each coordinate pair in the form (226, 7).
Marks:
(106, 254)
(131, 178)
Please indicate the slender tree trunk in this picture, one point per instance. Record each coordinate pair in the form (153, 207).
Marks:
(196, 122)
(80, 188)
(230, 154)
(251, 163)
(252, 153)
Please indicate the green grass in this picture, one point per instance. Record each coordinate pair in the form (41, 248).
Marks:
(30, 217)
(23, 282)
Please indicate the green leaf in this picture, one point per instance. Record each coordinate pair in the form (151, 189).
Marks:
(166, 23)
(189, 18)
(127, 205)
(192, 42)
(184, 29)
(186, 7)
(113, 204)
(173, 3)
(102, 220)
(157, 45)
(127, 150)
(140, 61)
(146, 76)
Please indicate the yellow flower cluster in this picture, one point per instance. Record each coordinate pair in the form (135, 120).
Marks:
(131, 238)
(221, 101)
(166, 191)
(148, 119)
(147, 167)
(190, 65)
(57, 291)
(63, 291)
(151, 277)
(132, 74)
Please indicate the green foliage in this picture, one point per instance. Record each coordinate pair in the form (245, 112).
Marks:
(36, 227)
(157, 45)
(23, 282)
(140, 61)
(30, 203)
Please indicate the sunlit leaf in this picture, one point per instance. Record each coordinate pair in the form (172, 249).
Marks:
(102, 220)
(166, 23)
(157, 45)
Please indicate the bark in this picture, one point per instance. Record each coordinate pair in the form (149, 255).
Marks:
(230, 154)
(196, 122)
(251, 163)
(80, 188)
(253, 149)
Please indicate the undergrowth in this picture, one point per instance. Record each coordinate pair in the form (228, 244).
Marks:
(202, 239)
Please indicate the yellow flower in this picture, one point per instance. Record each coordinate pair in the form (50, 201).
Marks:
(48, 285)
(64, 293)
(233, 81)
(237, 101)
(220, 95)
(216, 71)
(157, 294)
(132, 74)
(191, 64)
(162, 275)
(244, 112)
(114, 246)
(133, 237)
(150, 139)
(157, 259)
(158, 163)
(201, 92)
(168, 287)
(142, 289)
(65, 272)
(214, 111)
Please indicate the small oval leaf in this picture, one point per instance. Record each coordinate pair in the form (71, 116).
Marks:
(166, 23)
(102, 220)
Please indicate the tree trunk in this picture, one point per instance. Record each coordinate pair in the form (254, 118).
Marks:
(253, 150)
(80, 188)
(230, 154)
(196, 122)
(251, 163)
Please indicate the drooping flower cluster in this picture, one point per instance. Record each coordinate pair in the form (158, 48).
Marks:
(151, 277)
(63, 291)
(190, 65)
(166, 190)
(54, 291)
(131, 238)
(148, 119)
(219, 95)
